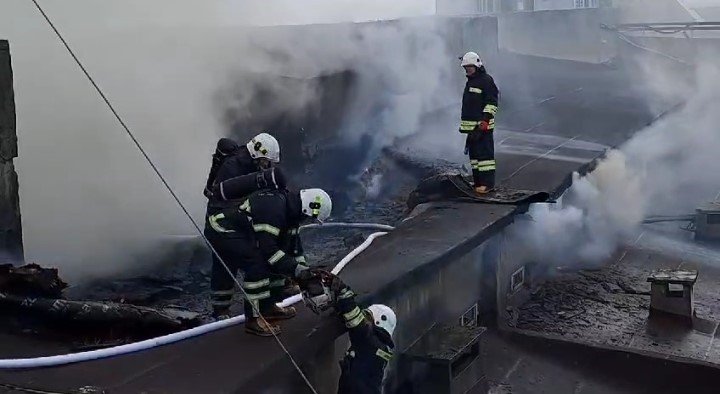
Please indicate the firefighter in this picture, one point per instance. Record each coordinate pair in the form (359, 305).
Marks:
(230, 164)
(268, 224)
(479, 106)
(371, 344)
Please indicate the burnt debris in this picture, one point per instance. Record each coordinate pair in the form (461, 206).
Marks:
(31, 280)
(32, 301)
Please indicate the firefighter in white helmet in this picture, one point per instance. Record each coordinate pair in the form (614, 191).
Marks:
(267, 247)
(235, 173)
(370, 330)
(230, 161)
(371, 343)
(477, 121)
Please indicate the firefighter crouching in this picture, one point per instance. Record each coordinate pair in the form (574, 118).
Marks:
(261, 238)
(370, 331)
(479, 106)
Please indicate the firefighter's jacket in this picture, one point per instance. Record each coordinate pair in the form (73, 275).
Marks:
(272, 218)
(479, 102)
(363, 367)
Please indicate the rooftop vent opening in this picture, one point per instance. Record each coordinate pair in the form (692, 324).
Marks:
(671, 292)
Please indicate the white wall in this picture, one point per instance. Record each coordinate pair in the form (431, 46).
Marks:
(457, 7)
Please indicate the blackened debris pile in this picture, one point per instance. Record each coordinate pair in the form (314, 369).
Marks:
(32, 301)
(31, 280)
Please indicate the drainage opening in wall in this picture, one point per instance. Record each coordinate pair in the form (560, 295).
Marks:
(675, 290)
(470, 317)
(517, 280)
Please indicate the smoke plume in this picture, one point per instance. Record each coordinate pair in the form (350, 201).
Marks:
(90, 204)
(666, 169)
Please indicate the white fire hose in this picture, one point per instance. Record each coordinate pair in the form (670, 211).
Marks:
(370, 226)
(63, 359)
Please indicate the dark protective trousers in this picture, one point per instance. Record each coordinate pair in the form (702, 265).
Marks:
(261, 286)
(481, 149)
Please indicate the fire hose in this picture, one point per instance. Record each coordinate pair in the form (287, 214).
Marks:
(63, 359)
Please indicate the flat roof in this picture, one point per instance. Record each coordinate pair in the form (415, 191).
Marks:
(221, 362)
(609, 308)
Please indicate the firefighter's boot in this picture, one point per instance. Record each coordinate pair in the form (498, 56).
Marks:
(260, 327)
(482, 189)
(276, 313)
(221, 313)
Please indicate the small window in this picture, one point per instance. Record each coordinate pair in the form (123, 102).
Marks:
(713, 218)
(470, 317)
(675, 290)
(518, 279)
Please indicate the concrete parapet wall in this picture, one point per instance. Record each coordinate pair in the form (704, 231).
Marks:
(10, 226)
(567, 34)
(443, 296)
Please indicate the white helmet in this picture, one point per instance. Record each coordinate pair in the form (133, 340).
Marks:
(316, 203)
(265, 146)
(471, 59)
(384, 317)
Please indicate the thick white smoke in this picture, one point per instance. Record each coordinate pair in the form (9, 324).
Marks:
(90, 203)
(668, 168)
(402, 70)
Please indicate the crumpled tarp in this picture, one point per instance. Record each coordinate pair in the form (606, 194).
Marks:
(448, 187)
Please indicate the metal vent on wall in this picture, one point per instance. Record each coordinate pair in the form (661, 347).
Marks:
(517, 280)
(470, 317)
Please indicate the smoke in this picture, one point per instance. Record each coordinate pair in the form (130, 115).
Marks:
(90, 203)
(667, 168)
(372, 83)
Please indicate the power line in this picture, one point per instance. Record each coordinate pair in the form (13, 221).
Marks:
(166, 184)
(522, 167)
(627, 40)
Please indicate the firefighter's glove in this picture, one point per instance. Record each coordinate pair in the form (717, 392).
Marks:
(484, 126)
(303, 275)
(336, 285)
(339, 289)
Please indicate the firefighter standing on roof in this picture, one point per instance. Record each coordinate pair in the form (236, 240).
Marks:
(479, 106)
(236, 172)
